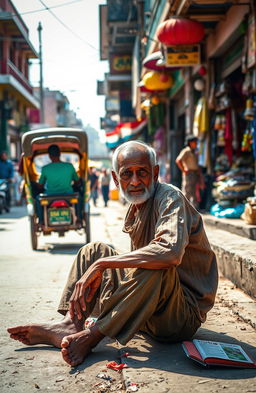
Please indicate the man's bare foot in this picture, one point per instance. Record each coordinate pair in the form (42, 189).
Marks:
(77, 346)
(51, 334)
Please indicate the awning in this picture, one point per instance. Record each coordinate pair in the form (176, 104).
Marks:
(124, 132)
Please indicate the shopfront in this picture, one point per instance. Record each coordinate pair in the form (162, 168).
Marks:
(231, 106)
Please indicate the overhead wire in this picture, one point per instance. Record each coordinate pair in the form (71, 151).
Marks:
(67, 27)
(47, 8)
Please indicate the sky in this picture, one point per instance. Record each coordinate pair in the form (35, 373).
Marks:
(70, 51)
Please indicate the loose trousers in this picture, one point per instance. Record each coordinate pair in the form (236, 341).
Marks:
(132, 300)
(189, 186)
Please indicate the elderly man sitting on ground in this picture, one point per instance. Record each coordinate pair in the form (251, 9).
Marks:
(165, 286)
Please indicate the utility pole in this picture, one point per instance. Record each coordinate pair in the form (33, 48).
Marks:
(41, 89)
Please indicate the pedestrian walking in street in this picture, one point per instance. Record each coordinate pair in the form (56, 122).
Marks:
(104, 184)
(94, 184)
(17, 179)
(192, 180)
(164, 286)
(6, 173)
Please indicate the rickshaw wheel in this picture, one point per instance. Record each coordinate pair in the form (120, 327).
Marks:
(33, 234)
(87, 228)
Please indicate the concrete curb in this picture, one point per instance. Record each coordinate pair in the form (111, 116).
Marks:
(236, 258)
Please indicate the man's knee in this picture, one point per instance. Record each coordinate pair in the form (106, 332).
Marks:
(96, 250)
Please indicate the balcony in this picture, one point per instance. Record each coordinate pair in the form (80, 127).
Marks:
(11, 69)
(12, 79)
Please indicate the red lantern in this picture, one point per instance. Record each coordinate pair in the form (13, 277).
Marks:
(180, 31)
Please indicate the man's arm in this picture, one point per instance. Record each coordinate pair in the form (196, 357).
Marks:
(165, 250)
(180, 165)
(180, 159)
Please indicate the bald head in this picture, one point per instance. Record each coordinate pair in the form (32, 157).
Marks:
(132, 149)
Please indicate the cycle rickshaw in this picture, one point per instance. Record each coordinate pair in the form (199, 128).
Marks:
(60, 212)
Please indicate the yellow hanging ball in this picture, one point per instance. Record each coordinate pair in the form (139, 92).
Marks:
(155, 81)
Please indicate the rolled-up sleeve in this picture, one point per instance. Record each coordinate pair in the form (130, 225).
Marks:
(171, 235)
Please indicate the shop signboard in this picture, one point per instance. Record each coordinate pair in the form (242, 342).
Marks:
(120, 64)
(112, 104)
(182, 55)
(251, 53)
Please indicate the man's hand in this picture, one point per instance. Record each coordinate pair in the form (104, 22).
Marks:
(85, 289)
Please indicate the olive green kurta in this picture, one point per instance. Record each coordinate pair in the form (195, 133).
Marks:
(169, 304)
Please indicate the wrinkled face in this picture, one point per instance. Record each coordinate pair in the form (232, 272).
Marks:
(136, 177)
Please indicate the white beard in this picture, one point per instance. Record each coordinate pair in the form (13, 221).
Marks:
(138, 199)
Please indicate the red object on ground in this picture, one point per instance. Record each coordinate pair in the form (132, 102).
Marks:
(180, 31)
(115, 366)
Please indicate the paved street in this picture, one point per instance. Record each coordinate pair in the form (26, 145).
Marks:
(31, 284)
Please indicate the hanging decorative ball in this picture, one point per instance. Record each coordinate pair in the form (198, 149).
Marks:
(164, 77)
(202, 71)
(152, 81)
(180, 31)
(199, 84)
(143, 88)
(155, 100)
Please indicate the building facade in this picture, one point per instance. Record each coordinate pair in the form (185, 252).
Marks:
(16, 92)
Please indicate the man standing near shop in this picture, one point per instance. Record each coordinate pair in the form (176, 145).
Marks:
(6, 173)
(187, 161)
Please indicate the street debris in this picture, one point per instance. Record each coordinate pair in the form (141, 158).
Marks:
(104, 376)
(59, 379)
(115, 366)
(204, 381)
(132, 387)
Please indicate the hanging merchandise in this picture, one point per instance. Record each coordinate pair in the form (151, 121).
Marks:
(201, 119)
(228, 136)
(247, 140)
(219, 126)
(201, 131)
(211, 99)
(249, 111)
(254, 136)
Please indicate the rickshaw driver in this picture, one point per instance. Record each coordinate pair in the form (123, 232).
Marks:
(56, 178)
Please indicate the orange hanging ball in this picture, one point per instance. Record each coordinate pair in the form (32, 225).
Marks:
(155, 100)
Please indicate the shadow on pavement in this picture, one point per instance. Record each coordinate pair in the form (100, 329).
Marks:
(104, 352)
(61, 249)
(15, 212)
(37, 348)
(171, 357)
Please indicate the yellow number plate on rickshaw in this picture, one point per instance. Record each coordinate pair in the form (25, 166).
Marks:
(59, 216)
